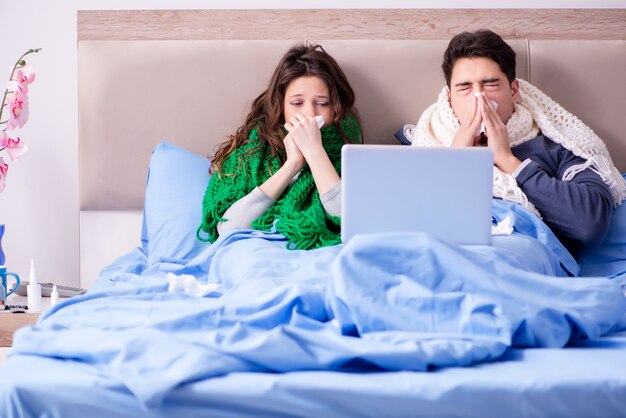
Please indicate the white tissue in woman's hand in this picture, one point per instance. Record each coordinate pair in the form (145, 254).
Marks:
(320, 120)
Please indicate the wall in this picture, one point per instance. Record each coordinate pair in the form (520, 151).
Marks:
(40, 203)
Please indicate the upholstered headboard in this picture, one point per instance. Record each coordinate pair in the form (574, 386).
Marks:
(188, 77)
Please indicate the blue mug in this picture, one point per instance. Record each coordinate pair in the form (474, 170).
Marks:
(3, 274)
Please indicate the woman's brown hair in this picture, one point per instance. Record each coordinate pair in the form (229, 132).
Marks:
(266, 114)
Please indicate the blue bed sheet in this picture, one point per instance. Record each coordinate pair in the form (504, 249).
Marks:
(586, 379)
(393, 318)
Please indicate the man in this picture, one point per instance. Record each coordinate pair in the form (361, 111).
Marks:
(545, 159)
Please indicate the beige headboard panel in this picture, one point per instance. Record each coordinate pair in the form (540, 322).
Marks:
(587, 78)
(188, 77)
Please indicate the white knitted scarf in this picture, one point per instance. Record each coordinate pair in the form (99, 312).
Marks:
(535, 112)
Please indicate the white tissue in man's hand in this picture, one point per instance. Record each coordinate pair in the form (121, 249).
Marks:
(320, 120)
(494, 105)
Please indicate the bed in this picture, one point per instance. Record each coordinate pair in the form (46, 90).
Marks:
(395, 324)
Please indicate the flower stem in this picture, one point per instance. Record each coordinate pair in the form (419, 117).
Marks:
(30, 51)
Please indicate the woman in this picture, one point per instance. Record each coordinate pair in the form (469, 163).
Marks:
(280, 170)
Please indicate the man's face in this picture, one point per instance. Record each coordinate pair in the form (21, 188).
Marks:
(481, 75)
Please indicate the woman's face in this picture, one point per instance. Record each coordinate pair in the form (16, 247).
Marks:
(308, 96)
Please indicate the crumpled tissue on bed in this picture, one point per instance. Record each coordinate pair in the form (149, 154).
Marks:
(504, 227)
(188, 284)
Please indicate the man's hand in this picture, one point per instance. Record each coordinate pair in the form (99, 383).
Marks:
(466, 135)
(497, 137)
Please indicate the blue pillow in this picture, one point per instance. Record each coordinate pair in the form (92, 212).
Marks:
(177, 179)
(609, 258)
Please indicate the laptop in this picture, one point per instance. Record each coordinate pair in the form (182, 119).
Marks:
(445, 192)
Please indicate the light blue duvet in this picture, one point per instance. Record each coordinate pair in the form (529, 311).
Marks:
(395, 302)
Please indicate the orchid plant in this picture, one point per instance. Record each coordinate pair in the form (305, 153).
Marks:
(15, 104)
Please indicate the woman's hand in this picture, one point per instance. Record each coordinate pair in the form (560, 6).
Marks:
(280, 180)
(308, 139)
(294, 155)
(306, 135)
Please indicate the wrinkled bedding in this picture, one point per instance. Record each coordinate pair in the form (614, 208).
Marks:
(383, 303)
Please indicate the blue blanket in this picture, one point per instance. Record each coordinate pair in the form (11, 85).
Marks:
(396, 301)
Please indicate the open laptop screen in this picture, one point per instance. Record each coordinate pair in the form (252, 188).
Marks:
(446, 192)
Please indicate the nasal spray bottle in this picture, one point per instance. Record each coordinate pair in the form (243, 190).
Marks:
(54, 296)
(33, 290)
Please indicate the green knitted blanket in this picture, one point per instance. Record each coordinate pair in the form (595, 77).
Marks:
(298, 214)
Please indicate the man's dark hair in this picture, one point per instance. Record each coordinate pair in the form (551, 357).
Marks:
(482, 43)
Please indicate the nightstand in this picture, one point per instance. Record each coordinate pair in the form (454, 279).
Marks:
(10, 322)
